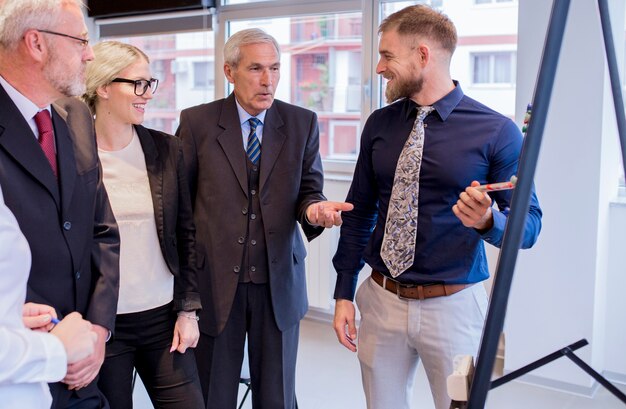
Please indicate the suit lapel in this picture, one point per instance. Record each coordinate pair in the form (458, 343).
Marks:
(66, 161)
(17, 139)
(273, 140)
(231, 141)
(154, 167)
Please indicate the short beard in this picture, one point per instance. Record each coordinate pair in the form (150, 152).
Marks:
(67, 83)
(403, 89)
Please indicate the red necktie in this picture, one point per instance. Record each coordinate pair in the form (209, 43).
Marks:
(46, 137)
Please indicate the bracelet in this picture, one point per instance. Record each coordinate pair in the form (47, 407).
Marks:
(191, 317)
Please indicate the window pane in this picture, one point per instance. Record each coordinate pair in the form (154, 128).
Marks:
(183, 63)
(481, 68)
(502, 68)
(321, 64)
(485, 52)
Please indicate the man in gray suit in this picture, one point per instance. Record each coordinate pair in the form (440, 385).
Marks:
(255, 172)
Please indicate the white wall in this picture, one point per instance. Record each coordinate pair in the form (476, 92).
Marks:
(560, 288)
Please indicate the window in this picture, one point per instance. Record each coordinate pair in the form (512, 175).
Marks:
(492, 1)
(203, 74)
(485, 52)
(493, 67)
(184, 66)
(321, 64)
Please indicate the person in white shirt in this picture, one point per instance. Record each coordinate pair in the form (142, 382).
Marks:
(29, 359)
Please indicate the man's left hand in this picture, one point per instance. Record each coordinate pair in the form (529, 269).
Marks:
(327, 214)
(82, 373)
(474, 208)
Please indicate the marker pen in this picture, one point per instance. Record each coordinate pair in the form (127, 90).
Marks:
(492, 187)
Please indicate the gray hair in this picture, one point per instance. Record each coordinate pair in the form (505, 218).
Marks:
(110, 58)
(232, 54)
(19, 16)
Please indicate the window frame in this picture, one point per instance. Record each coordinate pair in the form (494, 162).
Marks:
(290, 8)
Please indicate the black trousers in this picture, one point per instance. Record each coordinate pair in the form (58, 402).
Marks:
(271, 353)
(86, 398)
(142, 340)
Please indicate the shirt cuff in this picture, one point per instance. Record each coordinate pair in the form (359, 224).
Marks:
(494, 235)
(345, 287)
(56, 358)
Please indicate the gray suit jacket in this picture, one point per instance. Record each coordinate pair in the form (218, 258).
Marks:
(290, 180)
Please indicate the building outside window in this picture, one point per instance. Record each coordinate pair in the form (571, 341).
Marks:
(184, 66)
(320, 70)
(493, 68)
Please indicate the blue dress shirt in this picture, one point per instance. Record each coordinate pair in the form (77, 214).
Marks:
(464, 141)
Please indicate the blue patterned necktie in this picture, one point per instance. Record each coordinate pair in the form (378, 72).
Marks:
(398, 248)
(254, 146)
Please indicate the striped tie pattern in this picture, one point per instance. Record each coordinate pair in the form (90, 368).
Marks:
(254, 146)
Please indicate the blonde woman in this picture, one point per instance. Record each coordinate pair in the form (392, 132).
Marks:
(144, 176)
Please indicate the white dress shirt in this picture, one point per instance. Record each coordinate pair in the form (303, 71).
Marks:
(28, 359)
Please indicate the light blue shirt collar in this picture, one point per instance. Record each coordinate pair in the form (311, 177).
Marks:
(245, 125)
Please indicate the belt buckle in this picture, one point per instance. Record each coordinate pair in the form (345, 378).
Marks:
(399, 286)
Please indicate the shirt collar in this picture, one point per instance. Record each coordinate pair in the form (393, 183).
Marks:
(27, 108)
(244, 116)
(444, 106)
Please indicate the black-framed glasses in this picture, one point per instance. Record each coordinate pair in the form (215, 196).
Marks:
(141, 86)
(84, 42)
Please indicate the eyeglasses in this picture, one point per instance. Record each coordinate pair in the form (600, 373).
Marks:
(84, 42)
(141, 86)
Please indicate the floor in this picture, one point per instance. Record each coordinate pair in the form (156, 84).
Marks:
(328, 377)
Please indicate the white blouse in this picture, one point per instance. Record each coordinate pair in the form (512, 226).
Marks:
(145, 279)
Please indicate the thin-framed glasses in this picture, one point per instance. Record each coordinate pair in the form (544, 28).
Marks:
(84, 42)
(141, 86)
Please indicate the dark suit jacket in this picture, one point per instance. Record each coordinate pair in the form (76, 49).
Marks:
(290, 180)
(69, 226)
(172, 213)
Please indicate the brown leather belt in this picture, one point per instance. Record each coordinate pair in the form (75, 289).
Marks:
(416, 292)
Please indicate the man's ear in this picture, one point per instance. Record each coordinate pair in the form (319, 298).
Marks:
(228, 72)
(35, 45)
(423, 54)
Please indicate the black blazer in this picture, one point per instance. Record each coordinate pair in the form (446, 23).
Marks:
(172, 213)
(69, 225)
(290, 180)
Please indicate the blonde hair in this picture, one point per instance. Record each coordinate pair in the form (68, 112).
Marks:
(19, 16)
(422, 20)
(232, 54)
(110, 58)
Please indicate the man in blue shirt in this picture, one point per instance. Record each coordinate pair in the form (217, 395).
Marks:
(426, 306)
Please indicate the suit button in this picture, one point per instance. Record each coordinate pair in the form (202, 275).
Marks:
(253, 192)
(244, 210)
(253, 269)
(253, 242)
(77, 275)
(253, 216)
(236, 269)
(67, 226)
(240, 240)
(255, 168)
